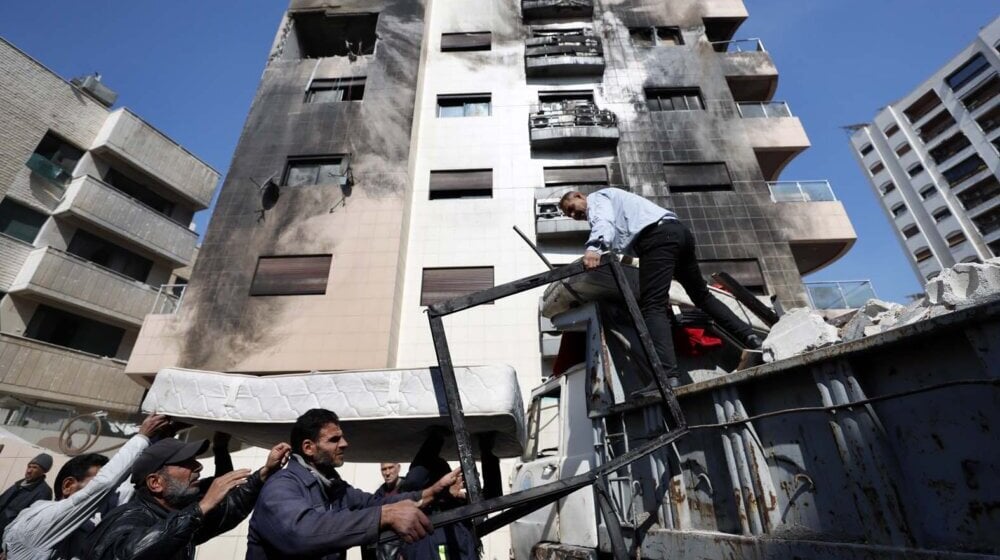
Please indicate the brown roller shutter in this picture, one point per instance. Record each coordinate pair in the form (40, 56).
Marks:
(459, 183)
(589, 175)
(439, 284)
(480, 41)
(287, 276)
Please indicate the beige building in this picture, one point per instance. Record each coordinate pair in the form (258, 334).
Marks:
(95, 214)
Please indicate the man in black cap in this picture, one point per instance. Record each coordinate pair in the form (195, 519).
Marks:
(26, 491)
(173, 511)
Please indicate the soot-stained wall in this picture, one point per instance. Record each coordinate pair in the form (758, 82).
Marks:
(349, 326)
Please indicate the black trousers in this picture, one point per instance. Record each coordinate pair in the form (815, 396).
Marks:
(666, 251)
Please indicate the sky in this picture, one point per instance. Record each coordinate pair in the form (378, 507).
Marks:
(191, 68)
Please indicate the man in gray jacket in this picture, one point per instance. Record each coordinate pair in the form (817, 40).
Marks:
(59, 529)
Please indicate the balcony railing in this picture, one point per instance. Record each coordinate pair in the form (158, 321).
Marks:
(839, 295)
(44, 167)
(739, 45)
(566, 43)
(168, 299)
(570, 113)
(801, 191)
(768, 110)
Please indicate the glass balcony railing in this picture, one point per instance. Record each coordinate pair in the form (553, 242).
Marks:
(840, 295)
(801, 191)
(44, 167)
(739, 45)
(768, 110)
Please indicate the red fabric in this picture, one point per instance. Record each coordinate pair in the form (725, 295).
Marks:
(692, 341)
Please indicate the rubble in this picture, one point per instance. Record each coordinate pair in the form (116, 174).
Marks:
(965, 284)
(800, 330)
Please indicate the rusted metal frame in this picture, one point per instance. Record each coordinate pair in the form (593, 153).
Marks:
(669, 399)
(611, 522)
(453, 399)
(526, 501)
(744, 296)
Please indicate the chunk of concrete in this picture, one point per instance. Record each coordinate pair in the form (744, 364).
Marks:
(800, 330)
(965, 284)
(855, 328)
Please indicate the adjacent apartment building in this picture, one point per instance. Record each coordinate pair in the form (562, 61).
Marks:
(933, 160)
(95, 209)
(393, 144)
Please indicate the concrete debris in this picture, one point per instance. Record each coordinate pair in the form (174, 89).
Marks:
(800, 330)
(965, 284)
(699, 375)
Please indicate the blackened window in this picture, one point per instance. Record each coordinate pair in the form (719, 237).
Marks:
(698, 177)
(337, 89)
(866, 149)
(291, 275)
(105, 253)
(941, 214)
(964, 169)
(19, 221)
(656, 36)
(910, 230)
(456, 42)
(137, 190)
(982, 94)
(61, 328)
(321, 33)
(546, 97)
(476, 105)
(461, 183)
(745, 271)
(674, 99)
(305, 171)
(439, 284)
(965, 73)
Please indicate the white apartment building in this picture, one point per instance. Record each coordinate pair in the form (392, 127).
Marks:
(933, 160)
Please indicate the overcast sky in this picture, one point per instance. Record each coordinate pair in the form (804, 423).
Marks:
(190, 67)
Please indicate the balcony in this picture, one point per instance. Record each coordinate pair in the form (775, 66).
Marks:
(556, 9)
(748, 68)
(13, 253)
(775, 135)
(38, 370)
(563, 53)
(101, 205)
(814, 222)
(571, 123)
(839, 295)
(551, 224)
(127, 137)
(52, 275)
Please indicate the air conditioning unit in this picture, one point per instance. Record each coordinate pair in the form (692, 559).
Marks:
(92, 85)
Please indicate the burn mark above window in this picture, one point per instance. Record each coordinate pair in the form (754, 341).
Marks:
(322, 33)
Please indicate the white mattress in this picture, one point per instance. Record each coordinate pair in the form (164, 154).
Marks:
(385, 414)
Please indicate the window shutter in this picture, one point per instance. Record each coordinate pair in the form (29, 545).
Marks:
(592, 175)
(481, 41)
(463, 179)
(697, 176)
(300, 275)
(440, 284)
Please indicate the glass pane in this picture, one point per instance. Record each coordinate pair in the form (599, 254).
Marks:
(448, 111)
(752, 110)
(330, 173)
(693, 102)
(856, 294)
(786, 192)
(817, 191)
(327, 95)
(826, 296)
(302, 174)
(477, 109)
(772, 110)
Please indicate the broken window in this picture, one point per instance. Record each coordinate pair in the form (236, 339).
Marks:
(439, 284)
(291, 275)
(461, 183)
(19, 221)
(112, 257)
(458, 42)
(745, 271)
(337, 89)
(330, 170)
(68, 330)
(674, 99)
(475, 105)
(966, 72)
(697, 177)
(54, 159)
(655, 36)
(324, 33)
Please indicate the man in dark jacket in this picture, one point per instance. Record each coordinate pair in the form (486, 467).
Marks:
(171, 513)
(306, 512)
(26, 491)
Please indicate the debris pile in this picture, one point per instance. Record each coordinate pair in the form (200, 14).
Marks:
(963, 285)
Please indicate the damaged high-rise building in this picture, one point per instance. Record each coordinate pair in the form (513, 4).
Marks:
(393, 144)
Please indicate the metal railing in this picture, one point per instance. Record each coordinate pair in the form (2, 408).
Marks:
(168, 299)
(801, 191)
(850, 294)
(739, 45)
(567, 43)
(765, 110)
(570, 113)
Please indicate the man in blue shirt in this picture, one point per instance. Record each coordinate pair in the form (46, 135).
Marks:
(630, 225)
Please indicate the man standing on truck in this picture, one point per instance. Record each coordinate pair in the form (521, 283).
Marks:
(630, 225)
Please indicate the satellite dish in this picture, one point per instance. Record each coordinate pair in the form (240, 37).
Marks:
(269, 193)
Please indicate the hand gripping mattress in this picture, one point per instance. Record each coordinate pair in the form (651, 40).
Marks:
(385, 414)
